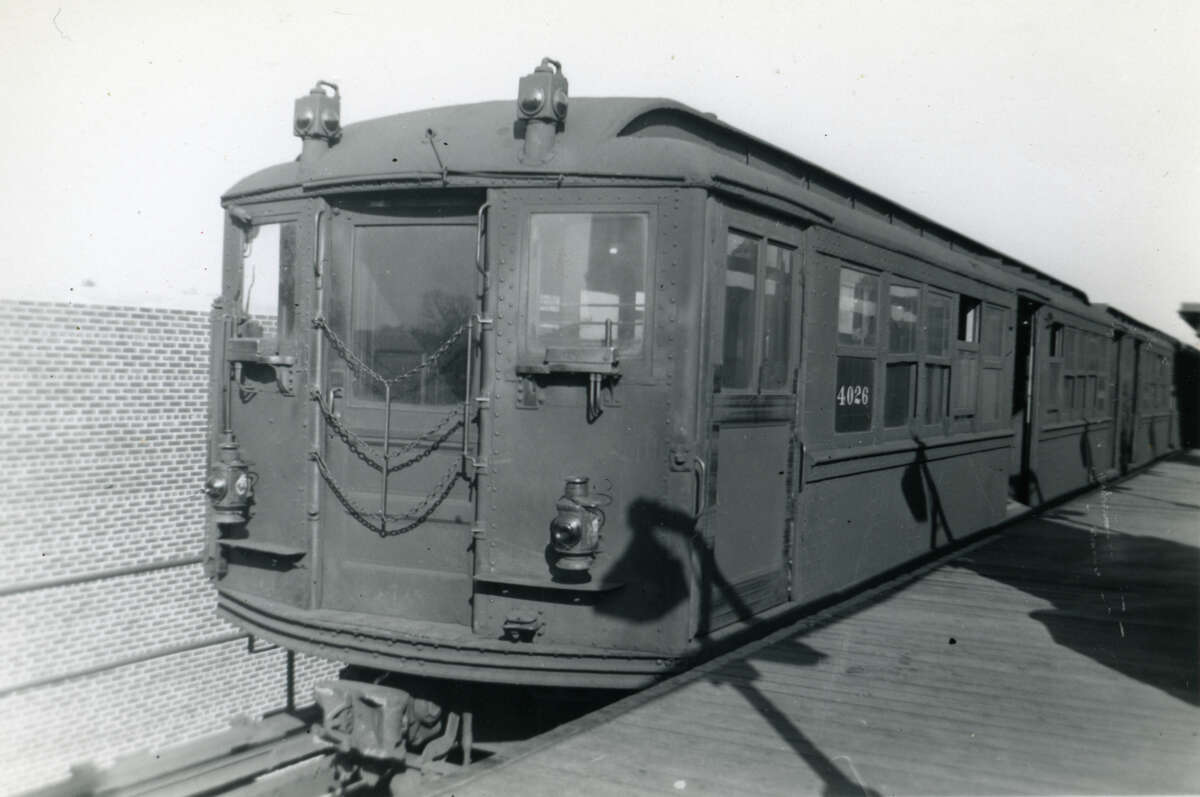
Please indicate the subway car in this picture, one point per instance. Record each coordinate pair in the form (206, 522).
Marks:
(572, 392)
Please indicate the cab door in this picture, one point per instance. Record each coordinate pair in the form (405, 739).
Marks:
(402, 288)
(755, 294)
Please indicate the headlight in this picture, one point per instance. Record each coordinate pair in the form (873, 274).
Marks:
(241, 487)
(215, 487)
(566, 532)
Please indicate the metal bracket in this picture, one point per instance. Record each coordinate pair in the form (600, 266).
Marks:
(255, 351)
(528, 395)
(523, 626)
(680, 458)
(470, 463)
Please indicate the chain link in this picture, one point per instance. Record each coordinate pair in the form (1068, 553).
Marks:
(434, 438)
(360, 367)
(422, 513)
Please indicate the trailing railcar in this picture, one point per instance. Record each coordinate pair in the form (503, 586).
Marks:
(571, 399)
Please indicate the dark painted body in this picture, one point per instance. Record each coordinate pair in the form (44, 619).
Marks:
(729, 493)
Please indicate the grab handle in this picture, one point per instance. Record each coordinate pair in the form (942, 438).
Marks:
(701, 471)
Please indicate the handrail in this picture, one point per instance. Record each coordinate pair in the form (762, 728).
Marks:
(467, 396)
(96, 575)
(124, 661)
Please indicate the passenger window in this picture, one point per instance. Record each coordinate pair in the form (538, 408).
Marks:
(1051, 389)
(741, 269)
(992, 338)
(899, 401)
(590, 273)
(858, 301)
(966, 366)
(937, 325)
(903, 304)
(1056, 340)
(413, 289)
(900, 372)
(268, 278)
(968, 319)
(989, 395)
(937, 392)
(777, 314)
(966, 380)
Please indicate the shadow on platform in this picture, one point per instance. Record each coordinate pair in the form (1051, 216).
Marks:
(1129, 602)
(652, 523)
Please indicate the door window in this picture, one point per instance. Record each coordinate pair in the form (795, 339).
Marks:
(756, 350)
(741, 272)
(413, 289)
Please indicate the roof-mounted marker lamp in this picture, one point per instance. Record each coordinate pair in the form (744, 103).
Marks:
(542, 105)
(318, 120)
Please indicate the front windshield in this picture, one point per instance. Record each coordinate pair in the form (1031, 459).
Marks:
(588, 269)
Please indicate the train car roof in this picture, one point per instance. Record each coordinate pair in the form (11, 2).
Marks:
(642, 139)
(1127, 323)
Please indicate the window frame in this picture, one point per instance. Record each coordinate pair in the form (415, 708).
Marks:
(343, 289)
(758, 229)
(941, 424)
(857, 351)
(890, 358)
(993, 363)
(294, 212)
(962, 416)
(529, 352)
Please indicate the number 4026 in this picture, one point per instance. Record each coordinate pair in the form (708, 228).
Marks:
(853, 394)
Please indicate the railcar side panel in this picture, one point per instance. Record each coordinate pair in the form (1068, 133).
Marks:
(907, 438)
(1074, 413)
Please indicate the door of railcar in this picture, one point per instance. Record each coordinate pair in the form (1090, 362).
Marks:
(402, 286)
(1022, 399)
(1130, 353)
(1112, 353)
(755, 302)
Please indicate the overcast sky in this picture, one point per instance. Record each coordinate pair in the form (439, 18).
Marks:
(1066, 134)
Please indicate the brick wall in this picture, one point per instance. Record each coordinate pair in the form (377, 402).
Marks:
(102, 418)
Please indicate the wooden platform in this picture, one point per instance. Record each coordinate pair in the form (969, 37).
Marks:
(1059, 656)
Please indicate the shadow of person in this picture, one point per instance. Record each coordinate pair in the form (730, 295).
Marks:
(648, 565)
(742, 675)
(648, 558)
(921, 494)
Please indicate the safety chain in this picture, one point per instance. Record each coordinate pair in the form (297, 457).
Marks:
(365, 451)
(422, 513)
(382, 462)
(359, 365)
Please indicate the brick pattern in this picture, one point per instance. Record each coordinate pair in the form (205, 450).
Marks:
(104, 428)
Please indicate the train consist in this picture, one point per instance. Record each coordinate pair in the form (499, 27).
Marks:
(568, 392)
